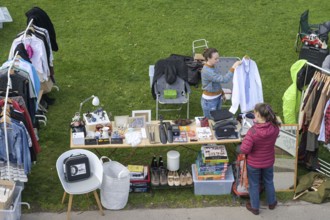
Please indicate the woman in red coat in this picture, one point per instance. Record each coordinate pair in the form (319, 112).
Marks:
(259, 146)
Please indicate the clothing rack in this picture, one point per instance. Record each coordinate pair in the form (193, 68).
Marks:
(324, 165)
(9, 86)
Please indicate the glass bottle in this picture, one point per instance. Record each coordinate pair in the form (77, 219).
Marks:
(160, 161)
(155, 163)
(152, 165)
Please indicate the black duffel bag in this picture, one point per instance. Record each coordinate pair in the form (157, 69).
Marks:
(194, 72)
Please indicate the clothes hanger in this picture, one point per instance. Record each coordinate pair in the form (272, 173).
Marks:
(328, 80)
(5, 113)
(320, 81)
(246, 57)
(326, 85)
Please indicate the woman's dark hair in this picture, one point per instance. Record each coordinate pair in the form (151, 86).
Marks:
(266, 111)
(208, 53)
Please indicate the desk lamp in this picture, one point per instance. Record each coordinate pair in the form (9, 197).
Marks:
(95, 102)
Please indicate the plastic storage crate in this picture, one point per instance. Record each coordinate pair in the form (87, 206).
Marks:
(14, 213)
(213, 187)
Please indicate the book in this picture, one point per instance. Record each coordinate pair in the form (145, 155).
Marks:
(215, 161)
(135, 168)
(183, 137)
(213, 151)
(210, 168)
(210, 177)
(204, 133)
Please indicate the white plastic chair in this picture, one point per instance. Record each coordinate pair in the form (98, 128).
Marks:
(84, 186)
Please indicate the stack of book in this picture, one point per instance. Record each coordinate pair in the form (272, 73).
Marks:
(212, 162)
(139, 178)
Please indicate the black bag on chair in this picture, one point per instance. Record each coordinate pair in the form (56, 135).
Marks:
(76, 167)
(194, 72)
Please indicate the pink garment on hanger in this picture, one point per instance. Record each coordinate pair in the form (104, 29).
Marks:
(29, 50)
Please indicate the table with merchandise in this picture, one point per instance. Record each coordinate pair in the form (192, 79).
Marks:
(208, 174)
(150, 137)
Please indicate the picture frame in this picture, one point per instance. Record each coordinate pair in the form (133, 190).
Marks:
(145, 113)
(286, 158)
(121, 121)
(136, 122)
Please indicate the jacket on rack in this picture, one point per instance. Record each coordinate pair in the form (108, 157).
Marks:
(171, 67)
(41, 19)
(20, 48)
(20, 85)
(26, 69)
(39, 57)
(325, 124)
(291, 97)
(18, 148)
(29, 126)
(247, 87)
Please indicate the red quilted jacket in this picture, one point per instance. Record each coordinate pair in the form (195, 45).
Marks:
(259, 145)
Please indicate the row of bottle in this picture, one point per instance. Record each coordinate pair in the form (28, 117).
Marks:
(155, 163)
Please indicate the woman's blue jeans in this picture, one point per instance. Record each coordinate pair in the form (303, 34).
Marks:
(254, 176)
(209, 105)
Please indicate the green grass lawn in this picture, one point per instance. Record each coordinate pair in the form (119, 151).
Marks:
(105, 48)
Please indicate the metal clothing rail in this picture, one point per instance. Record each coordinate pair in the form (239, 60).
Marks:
(324, 165)
(317, 67)
(27, 28)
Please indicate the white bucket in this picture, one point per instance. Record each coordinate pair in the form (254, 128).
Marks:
(173, 160)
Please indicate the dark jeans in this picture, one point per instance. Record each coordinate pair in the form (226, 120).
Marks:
(254, 175)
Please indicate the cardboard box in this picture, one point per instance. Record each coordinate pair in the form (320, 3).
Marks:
(101, 118)
(78, 138)
(8, 185)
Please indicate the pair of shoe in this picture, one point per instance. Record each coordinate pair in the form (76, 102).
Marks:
(185, 178)
(256, 211)
(159, 176)
(173, 178)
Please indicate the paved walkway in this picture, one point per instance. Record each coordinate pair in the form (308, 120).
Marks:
(292, 210)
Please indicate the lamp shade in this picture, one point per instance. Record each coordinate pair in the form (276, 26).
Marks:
(96, 101)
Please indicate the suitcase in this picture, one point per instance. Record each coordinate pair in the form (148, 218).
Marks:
(313, 55)
(76, 167)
